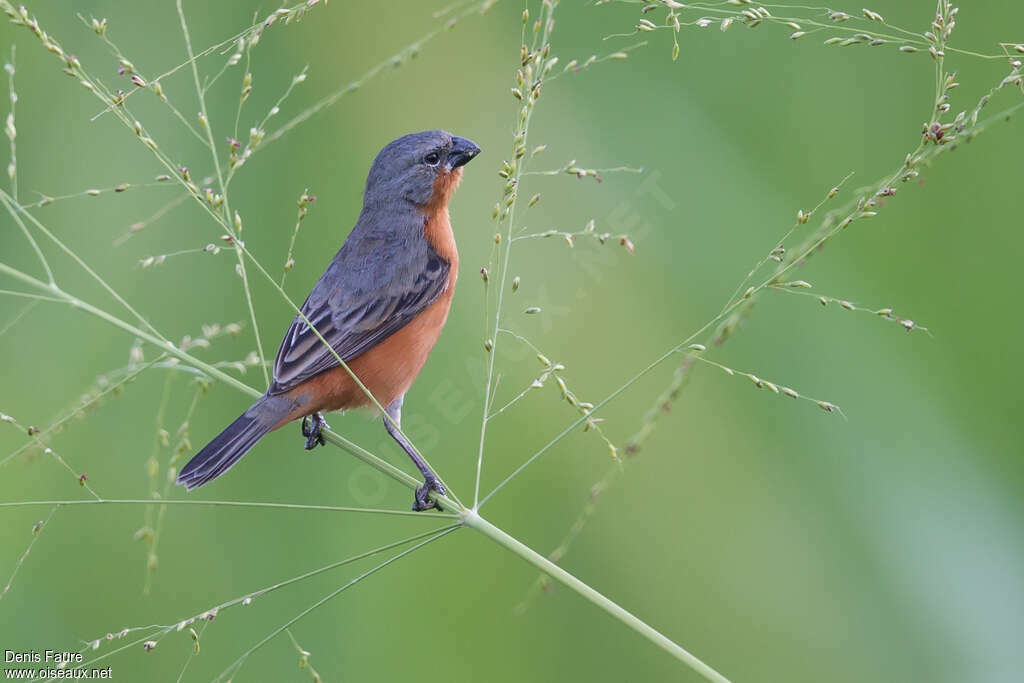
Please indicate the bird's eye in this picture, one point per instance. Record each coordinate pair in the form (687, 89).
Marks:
(432, 159)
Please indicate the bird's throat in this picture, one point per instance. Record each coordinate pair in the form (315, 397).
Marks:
(437, 227)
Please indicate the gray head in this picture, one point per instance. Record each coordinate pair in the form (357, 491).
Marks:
(407, 168)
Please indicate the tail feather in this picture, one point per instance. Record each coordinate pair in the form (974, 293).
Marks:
(228, 447)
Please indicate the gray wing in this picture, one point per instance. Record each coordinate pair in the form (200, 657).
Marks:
(369, 292)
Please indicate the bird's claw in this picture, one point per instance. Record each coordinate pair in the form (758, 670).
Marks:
(423, 500)
(312, 427)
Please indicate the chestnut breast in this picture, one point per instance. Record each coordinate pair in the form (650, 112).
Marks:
(390, 367)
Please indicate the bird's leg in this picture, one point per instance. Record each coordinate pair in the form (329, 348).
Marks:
(430, 480)
(311, 428)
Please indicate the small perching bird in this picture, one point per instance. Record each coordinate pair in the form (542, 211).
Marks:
(381, 305)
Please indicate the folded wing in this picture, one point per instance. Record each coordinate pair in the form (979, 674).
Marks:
(353, 311)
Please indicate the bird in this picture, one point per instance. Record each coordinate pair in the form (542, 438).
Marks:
(381, 304)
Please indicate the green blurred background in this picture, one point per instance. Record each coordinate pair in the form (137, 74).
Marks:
(776, 542)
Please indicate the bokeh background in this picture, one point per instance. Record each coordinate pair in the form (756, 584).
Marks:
(775, 541)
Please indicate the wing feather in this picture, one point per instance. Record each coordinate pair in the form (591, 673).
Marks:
(354, 310)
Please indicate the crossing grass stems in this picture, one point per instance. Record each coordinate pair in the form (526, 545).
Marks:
(537, 65)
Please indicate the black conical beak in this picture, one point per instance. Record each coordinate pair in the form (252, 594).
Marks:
(462, 153)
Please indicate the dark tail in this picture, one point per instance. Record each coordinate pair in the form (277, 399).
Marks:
(229, 446)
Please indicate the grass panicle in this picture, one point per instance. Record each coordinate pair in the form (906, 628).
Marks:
(226, 152)
(938, 137)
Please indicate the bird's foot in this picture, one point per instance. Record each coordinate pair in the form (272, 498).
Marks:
(312, 426)
(423, 501)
